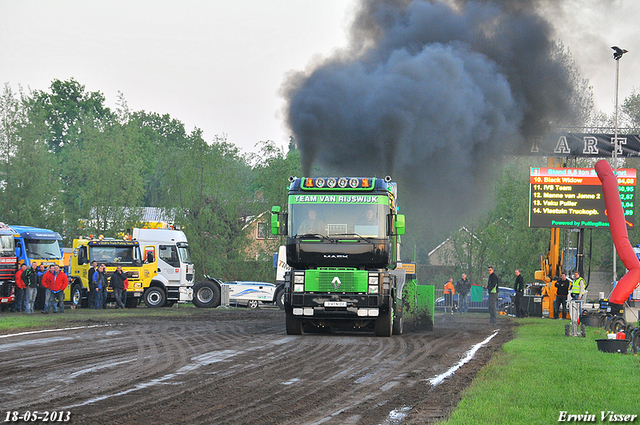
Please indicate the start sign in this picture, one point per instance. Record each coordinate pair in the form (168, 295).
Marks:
(572, 197)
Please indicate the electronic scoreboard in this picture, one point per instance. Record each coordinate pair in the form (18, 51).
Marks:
(572, 197)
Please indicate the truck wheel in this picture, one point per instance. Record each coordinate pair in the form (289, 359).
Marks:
(279, 299)
(384, 324)
(398, 325)
(76, 295)
(206, 294)
(154, 297)
(253, 304)
(294, 325)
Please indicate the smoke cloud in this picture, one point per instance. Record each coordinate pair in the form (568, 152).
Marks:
(434, 94)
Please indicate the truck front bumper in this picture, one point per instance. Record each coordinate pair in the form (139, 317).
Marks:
(337, 306)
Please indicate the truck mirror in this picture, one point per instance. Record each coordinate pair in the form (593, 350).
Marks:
(275, 220)
(399, 224)
(150, 257)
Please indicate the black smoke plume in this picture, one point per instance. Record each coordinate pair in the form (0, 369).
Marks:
(434, 94)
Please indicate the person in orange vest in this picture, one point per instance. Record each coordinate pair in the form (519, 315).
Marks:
(449, 292)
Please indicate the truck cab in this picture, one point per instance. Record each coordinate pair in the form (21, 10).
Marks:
(174, 280)
(341, 245)
(8, 264)
(140, 270)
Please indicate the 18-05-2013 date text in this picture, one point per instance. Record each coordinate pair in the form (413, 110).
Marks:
(35, 416)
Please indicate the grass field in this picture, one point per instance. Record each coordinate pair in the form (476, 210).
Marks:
(542, 373)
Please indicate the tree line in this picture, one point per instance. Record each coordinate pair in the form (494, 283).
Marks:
(71, 164)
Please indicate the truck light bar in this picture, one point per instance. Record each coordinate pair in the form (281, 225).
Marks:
(327, 183)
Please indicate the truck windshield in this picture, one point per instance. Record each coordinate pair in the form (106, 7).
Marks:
(42, 248)
(183, 251)
(116, 255)
(336, 220)
(7, 246)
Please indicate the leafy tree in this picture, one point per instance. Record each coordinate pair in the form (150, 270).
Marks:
(209, 186)
(104, 181)
(66, 110)
(29, 190)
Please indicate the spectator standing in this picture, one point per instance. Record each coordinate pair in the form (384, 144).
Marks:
(91, 297)
(40, 296)
(117, 284)
(99, 281)
(518, 286)
(449, 292)
(20, 289)
(30, 279)
(562, 293)
(492, 289)
(577, 287)
(463, 287)
(105, 284)
(56, 281)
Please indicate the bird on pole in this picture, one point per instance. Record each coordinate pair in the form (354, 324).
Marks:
(618, 52)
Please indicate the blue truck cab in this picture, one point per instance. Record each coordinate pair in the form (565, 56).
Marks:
(41, 245)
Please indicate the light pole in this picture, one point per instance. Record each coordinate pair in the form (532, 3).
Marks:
(617, 54)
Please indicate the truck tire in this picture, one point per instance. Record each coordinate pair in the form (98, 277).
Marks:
(384, 324)
(76, 295)
(398, 325)
(293, 324)
(253, 304)
(279, 298)
(206, 294)
(154, 297)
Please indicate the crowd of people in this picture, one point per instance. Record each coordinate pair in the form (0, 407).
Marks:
(462, 287)
(38, 288)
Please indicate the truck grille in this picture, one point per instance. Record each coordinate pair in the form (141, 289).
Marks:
(336, 280)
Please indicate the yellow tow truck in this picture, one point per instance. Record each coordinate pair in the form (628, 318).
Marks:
(140, 269)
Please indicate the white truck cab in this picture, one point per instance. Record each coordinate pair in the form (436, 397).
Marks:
(174, 282)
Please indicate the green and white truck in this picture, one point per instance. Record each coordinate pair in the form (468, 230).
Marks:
(342, 246)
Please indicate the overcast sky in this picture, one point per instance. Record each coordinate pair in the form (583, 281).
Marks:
(219, 65)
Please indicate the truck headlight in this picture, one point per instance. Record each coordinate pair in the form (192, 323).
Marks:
(373, 289)
(298, 287)
(298, 278)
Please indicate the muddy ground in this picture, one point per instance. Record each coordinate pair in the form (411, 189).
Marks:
(239, 367)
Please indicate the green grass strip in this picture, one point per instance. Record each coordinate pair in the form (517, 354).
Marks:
(542, 372)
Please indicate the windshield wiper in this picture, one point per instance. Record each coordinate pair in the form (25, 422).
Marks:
(316, 235)
(363, 238)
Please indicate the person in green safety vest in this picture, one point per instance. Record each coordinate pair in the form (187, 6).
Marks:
(577, 286)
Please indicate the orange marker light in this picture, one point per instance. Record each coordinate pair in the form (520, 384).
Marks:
(309, 183)
(365, 182)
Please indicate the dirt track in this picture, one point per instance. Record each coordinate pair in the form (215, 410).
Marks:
(240, 367)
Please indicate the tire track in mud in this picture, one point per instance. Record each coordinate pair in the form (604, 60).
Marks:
(220, 370)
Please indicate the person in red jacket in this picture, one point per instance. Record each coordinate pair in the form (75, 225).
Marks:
(56, 281)
(21, 288)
